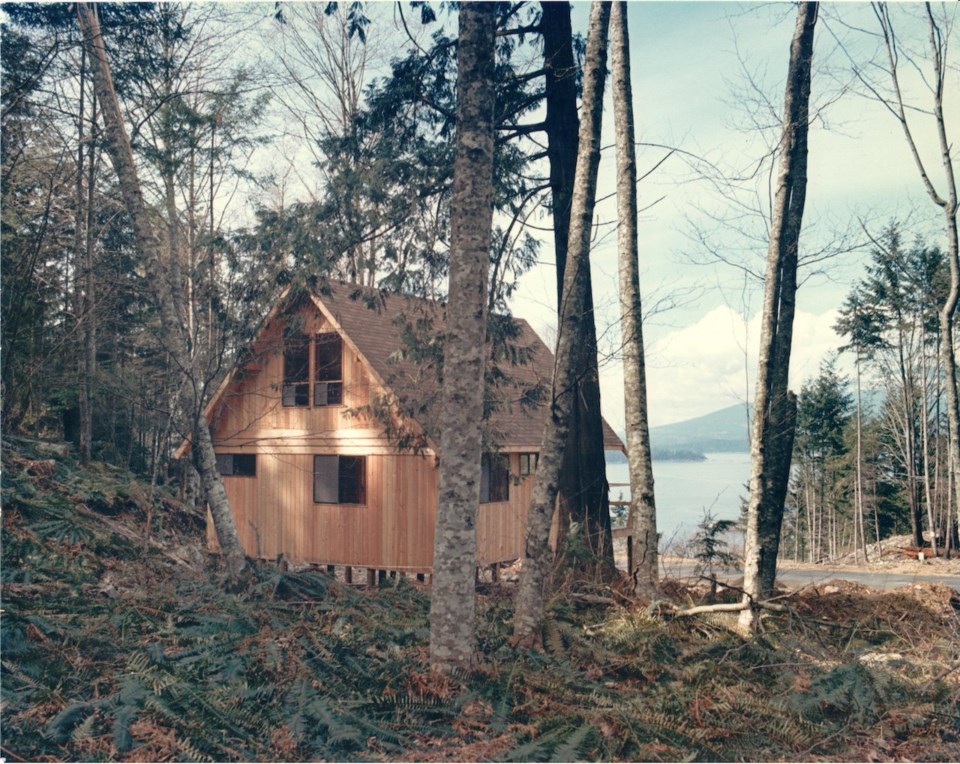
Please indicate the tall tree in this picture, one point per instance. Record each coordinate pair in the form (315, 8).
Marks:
(452, 607)
(584, 493)
(530, 595)
(774, 418)
(643, 510)
(859, 323)
(173, 329)
(892, 318)
(823, 412)
(942, 194)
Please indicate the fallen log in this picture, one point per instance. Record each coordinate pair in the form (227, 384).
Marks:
(731, 607)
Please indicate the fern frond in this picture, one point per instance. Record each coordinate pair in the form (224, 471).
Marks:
(574, 747)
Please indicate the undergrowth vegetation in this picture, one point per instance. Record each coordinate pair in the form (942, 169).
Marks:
(119, 644)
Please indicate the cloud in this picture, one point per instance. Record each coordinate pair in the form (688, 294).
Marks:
(712, 364)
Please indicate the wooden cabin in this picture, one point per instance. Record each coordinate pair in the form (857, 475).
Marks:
(326, 434)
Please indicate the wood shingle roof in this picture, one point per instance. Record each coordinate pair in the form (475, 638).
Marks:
(379, 324)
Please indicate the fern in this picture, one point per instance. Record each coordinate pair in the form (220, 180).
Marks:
(62, 725)
(341, 732)
(847, 691)
(575, 746)
(122, 719)
(84, 730)
(539, 748)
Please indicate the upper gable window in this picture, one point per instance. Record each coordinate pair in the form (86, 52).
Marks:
(296, 370)
(328, 374)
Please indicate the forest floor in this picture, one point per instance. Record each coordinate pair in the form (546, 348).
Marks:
(120, 644)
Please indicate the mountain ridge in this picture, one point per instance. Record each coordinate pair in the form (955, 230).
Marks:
(724, 430)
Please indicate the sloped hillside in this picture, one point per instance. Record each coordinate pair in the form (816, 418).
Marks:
(120, 645)
(722, 431)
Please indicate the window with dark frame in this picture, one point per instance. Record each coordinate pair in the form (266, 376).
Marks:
(237, 465)
(528, 464)
(494, 478)
(296, 370)
(340, 479)
(328, 374)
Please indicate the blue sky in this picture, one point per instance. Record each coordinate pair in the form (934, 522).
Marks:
(688, 63)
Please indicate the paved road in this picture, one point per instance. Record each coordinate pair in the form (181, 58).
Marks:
(796, 577)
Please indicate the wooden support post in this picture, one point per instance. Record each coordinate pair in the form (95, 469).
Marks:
(495, 572)
(630, 556)
(371, 577)
(348, 574)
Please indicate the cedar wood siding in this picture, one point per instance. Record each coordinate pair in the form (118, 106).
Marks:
(275, 511)
(394, 529)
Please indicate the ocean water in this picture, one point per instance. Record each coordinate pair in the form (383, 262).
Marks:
(685, 489)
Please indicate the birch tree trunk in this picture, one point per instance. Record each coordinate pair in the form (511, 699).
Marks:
(859, 483)
(173, 334)
(452, 606)
(530, 596)
(771, 403)
(925, 433)
(643, 511)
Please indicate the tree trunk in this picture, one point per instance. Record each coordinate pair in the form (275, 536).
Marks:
(925, 434)
(89, 372)
(859, 483)
(173, 336)
(770, 402)
(910, 440)
(81, 304)
(530, 596)
(584, 494)
(452, 607)
(643, 511)
(783, 428)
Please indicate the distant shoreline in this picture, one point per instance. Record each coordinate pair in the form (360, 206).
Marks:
(673, 455)
(678, 455)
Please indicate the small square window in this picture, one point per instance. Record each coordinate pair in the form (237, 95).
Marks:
(237, 465)
(327, 393)
(296, 394)
(528, 464)
(340, 479)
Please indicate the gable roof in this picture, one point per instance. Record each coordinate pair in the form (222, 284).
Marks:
(517, 419)
(374, 324)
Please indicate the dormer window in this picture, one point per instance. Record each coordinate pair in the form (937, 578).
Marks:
(296, 370)
(328, 374)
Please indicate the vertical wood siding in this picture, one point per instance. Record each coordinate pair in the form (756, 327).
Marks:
(275, 510)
